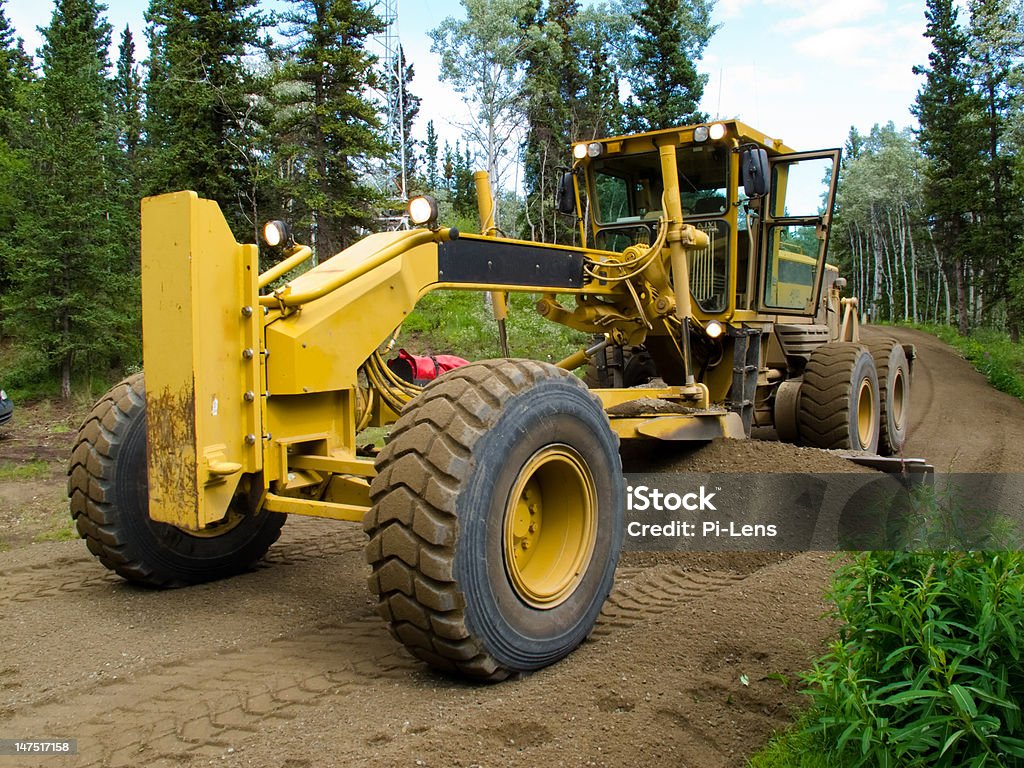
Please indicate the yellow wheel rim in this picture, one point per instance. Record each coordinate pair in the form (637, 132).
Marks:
(898, 398)
(550, 526)
(865, 413)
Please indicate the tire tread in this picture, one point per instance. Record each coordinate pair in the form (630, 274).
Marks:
(417, 551)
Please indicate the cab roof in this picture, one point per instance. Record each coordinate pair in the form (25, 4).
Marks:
(735, 131)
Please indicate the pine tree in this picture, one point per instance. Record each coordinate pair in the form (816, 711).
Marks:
(432, 178)
(994, 48)
(551, 88)
(16, 83)
(15, 70)
(71, 296)
(128, 96)
(448, 168)
(594, 37)
(670, 39)
(326, 129)
(126, 113)
(949, 112)
(200, 127)
(853, 147)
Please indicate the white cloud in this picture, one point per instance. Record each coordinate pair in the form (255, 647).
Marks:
(830, 13)
(840, 44)
(730, 9)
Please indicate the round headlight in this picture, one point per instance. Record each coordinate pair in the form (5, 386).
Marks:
(594, 149)
(700, 133)
(422, 210)
(716, 131)
(579, 151)
(276, 234)
(714, 329)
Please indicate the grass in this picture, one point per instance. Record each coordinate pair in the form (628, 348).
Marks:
(460, 323)
(797, 747)
(991, 352)
(30, 470)
(63, 529)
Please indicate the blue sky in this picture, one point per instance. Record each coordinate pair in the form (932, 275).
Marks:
(800, 70)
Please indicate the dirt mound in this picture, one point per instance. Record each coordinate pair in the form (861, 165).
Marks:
(726, 455)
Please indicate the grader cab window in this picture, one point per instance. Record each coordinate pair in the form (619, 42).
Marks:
(629, 187)
(800, 190)
(792, 267)
(628, 206)
(794, 233)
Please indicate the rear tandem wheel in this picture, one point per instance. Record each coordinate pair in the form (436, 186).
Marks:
(497, 519)
(894, 393)
(839, 398)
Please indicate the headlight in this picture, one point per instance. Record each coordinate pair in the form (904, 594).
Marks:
(422, 210)
(716, 131)
(594, 149)
(713, 329)
(579, 151)
(276, 234)
(700, 133)
(3, 395)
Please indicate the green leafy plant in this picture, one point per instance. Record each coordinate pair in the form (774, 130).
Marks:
(927, 669)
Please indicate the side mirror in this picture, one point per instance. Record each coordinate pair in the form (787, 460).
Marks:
(565, 198)
(754, 169)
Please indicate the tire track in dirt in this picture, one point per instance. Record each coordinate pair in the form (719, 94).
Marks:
(654, 591)
(205, 705)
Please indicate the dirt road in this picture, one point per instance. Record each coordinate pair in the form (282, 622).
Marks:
(693, 663)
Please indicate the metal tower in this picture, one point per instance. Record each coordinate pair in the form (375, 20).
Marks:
(389, 44)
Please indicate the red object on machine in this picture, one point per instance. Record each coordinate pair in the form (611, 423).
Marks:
(419, 369)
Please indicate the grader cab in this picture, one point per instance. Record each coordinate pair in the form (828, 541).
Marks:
(494, 514)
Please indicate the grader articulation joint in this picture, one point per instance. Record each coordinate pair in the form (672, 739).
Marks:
(495, 511)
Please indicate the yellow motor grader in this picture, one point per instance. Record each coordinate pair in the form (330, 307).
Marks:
(495, 510)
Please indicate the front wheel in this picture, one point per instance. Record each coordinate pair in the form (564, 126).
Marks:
(497, 519)
(110, 505)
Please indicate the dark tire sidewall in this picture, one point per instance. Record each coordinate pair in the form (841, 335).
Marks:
(175, 556)
(895, 434)
(519, 636)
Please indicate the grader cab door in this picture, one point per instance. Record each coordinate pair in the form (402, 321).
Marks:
(795, 222)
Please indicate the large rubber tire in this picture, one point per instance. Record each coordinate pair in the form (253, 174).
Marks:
(839, 398)
(452, 487)
(638, 368)
(110, 505)
(894, 392)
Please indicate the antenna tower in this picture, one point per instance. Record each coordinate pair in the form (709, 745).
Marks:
(393, 96)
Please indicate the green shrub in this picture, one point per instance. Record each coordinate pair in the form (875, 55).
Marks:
(928, 667)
